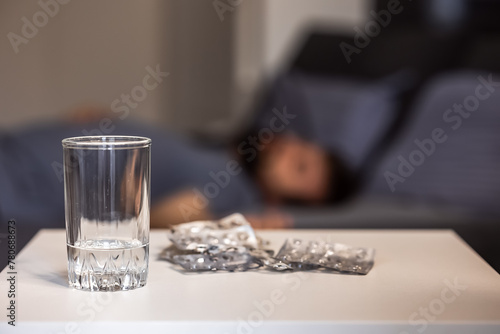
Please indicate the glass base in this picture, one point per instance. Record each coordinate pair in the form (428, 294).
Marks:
(98, 269)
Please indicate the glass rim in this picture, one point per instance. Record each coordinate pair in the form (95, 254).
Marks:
(106, 142)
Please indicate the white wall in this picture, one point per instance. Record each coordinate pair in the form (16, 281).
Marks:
(90, 52)
(201, 70)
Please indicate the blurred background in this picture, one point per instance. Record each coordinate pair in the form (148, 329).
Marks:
(93, 51)
(366, 79)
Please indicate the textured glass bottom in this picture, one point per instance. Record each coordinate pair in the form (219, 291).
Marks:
(107, 265)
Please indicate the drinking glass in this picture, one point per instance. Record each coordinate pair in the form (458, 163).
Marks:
(107, 204)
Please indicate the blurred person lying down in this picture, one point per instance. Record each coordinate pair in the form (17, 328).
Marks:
(189, 182)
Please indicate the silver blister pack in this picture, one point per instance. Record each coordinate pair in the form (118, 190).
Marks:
(231, 244)
(308, 255)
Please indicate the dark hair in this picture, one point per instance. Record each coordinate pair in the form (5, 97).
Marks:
(342, 179)
(343, 184)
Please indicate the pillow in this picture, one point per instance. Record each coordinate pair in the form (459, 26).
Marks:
(449, 152)
(346, 116)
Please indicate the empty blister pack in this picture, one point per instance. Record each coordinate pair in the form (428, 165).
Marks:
(231, 244)
(231, 231)
(309, 255)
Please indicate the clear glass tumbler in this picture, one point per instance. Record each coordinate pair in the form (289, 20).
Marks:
(107, 204)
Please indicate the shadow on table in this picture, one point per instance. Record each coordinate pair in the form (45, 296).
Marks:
(60, 278)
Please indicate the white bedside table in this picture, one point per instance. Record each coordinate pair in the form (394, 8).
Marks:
(422, 281)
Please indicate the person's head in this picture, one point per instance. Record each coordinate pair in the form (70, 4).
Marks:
(292, 169)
